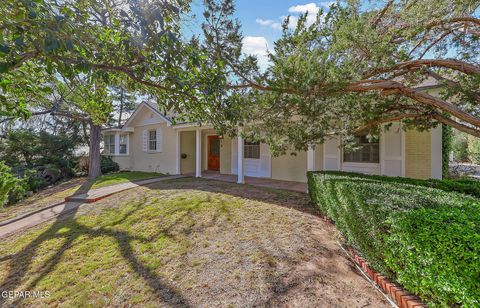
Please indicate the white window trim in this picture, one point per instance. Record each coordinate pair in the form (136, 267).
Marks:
(363, 163)
(127, 140)
(105, 137)
(116, 151)
(150, 140)
(250, 158)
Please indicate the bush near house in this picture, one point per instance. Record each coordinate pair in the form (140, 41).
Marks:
(427, 239)
(107, 165)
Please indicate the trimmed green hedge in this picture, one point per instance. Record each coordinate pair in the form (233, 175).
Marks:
(425, 238)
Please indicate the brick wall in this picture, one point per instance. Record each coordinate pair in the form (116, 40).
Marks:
(418, 154)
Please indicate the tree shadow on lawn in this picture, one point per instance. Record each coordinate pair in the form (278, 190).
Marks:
(20, 261)
(280, 197)
(307, 269)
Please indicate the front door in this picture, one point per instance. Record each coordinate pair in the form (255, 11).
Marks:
(214, 153)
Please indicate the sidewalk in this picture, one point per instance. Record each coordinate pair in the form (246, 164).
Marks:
(94, 195)
(71, 203)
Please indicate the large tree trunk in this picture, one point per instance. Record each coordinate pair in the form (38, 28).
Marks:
(121, 107)
(94, 169)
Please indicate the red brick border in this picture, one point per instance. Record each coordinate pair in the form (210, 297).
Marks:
(395, 291)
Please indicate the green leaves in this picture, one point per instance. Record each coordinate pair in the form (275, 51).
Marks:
(3, 67)
(428, 240)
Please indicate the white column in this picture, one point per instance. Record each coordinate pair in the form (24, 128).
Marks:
(310, 158)
(241, 178)
(177, 169)
(198, 153)
(117, 143)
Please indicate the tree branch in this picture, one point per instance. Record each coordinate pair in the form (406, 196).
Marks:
(394, 87)
(453, 64)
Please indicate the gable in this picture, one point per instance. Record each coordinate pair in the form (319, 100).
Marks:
(145, 115)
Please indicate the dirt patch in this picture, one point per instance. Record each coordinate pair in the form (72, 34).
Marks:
(188, 242)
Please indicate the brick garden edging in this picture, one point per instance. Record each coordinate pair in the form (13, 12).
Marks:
(395, 291)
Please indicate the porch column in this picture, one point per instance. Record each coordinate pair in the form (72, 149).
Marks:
(177, 168)
(241, 178)
(310, 158)
(198, 153)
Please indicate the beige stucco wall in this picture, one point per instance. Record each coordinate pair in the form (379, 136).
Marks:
(165, 161)
(417, 154)
(319, 157)
(226, 155)
(290, 167)
(187, 146)
(123, 161)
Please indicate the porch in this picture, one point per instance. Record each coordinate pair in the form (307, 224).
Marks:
(202, 153)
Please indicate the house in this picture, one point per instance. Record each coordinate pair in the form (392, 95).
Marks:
(149, 141)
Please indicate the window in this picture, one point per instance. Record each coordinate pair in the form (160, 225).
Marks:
(123, 143)
(109, 144)
(367, 153)
(152, 140)
(251, 150)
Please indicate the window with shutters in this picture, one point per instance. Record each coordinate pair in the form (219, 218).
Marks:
(109, 144)
(123, 144)
(152, 140)
(251, 150)
(368, 152)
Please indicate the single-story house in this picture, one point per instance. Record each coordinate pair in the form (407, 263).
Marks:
(150, 141)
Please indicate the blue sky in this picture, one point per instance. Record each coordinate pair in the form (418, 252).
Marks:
(261, 20)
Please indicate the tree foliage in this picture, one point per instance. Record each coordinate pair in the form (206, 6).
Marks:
(358, 66)
(63, 58)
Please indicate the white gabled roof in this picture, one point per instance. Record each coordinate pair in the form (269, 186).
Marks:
(154, 110)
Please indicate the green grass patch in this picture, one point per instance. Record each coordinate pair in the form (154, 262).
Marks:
(138, 244)
(427, 239)
(123, 177)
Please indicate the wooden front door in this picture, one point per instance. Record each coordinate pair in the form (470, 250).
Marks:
(214, 153)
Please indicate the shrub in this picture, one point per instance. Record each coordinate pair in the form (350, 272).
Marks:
(425, 238)
(108, 165)
(474, 149)
(32, 180)
(11, 187)
(460, 147)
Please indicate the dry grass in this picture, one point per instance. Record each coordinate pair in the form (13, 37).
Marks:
(43, 198)
(59, 192)
(186, 242)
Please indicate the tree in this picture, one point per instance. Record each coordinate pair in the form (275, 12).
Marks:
(355, 68)
(91, 45)
(124, 104)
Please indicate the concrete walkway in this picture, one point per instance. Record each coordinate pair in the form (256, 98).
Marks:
(94, 195)
(16, 224)
(71, 203)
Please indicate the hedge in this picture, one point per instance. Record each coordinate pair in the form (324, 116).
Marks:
(427, 239)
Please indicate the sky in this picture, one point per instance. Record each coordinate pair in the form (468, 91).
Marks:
(261, 21)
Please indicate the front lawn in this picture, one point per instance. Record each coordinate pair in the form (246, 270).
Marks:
(59, 192)
(186, 242)
(123, 177)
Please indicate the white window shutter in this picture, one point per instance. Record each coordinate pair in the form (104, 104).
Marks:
(145, 140)
(159, 139)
